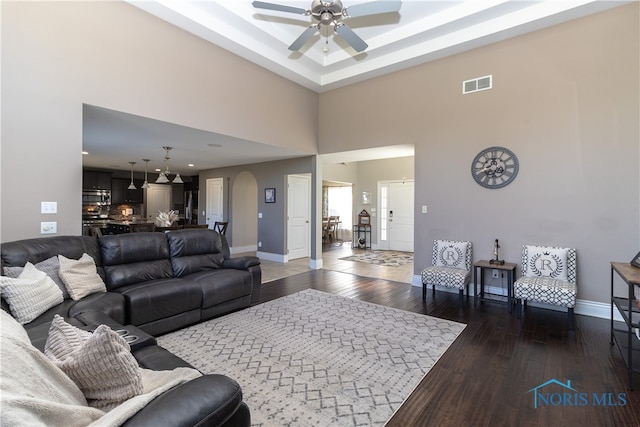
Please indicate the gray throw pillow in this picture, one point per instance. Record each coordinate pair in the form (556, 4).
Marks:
(50, 267)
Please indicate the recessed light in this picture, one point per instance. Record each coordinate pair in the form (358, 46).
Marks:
(190, 165)
(157, 169)
(215, 145)
(85, 152)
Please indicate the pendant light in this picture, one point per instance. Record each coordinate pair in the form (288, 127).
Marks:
(146, 183)
(163, 178)
(132, 186)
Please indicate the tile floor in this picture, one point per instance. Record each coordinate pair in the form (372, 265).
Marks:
(330, 259)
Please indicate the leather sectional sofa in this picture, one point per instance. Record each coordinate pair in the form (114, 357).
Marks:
(156, 283)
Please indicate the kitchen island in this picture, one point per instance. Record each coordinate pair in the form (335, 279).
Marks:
(122, 227)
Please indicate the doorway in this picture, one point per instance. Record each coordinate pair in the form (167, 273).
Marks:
(396, 216)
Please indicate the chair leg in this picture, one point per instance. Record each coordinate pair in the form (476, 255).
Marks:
(424, 291)
(461, 297)
(571, 319)
(519, 309)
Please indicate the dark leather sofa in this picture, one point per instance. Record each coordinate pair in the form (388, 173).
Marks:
(157, 282)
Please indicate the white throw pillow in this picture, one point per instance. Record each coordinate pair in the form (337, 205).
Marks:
(451, 254)
(30, 294)
(546, 262)
(50, 266)
(101, 364)
(80, 277)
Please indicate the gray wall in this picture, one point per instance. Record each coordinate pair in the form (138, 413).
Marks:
(58, 55)
(272, 227)
(565, 100)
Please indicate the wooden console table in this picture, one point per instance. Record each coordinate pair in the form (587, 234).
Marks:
(625, 338)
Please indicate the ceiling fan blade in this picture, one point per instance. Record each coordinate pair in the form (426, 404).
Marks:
(279, 7)
(304, 37)
(350, 37)
(372, 8)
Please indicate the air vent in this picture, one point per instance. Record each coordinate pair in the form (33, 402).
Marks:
(475, 85)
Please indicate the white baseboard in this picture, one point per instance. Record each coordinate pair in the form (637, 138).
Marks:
(315, 264)
(583, 307)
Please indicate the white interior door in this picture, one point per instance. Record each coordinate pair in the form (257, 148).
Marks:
(215, 201)
(401, 216)
(158, 199)
(298, 216)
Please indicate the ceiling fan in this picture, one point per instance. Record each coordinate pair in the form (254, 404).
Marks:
(331, 14)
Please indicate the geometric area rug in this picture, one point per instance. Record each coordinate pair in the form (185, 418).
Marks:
(386, 258)
(317, 359)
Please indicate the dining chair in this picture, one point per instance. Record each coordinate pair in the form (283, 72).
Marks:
(450, 267)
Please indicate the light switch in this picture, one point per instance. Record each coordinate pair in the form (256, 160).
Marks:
(48, 227)
(48, 207)
(259, 214)
(424, 208)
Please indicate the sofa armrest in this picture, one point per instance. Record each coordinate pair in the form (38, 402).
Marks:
(241, 263)
(209, 400)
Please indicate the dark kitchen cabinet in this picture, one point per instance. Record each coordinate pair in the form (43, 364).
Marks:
(120, 192)
(94, 180)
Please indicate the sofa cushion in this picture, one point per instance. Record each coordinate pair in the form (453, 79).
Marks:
(135, 257)
(30, 294)
(222, 285)
(80, 276)
(50, 266)
(158, 299)
(100, 363)
(194, 250)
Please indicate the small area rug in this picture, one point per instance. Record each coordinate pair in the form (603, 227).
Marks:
(386, 258)
(316, 359)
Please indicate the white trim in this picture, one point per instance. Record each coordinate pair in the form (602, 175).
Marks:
(583, 307)
(315, 264)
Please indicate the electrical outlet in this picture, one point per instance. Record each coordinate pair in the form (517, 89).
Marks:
(259, 244)
(496, 274)
(48, 227)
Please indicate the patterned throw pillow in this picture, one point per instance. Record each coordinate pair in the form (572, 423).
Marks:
(80, 277)
(30, 294)
(546, 262)
(50, 267)
(451, 254)
(101, 363)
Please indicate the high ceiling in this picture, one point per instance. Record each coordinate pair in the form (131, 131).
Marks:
(420, 32)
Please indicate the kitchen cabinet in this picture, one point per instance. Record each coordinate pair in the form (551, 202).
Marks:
(95, 180)
(121, 194)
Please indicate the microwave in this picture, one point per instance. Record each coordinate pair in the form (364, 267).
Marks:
(96, 197)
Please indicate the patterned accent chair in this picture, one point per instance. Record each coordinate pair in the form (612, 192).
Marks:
(450, 267)
(548, 276)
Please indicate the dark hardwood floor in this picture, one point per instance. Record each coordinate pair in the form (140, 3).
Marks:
(485, 377)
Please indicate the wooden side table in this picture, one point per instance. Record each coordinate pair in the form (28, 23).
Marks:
(480, 266)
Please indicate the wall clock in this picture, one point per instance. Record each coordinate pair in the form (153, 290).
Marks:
(494, 167)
